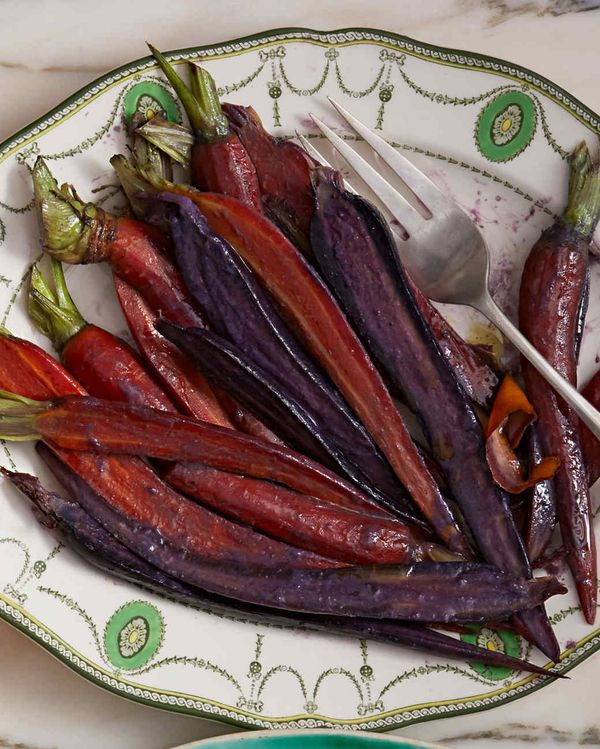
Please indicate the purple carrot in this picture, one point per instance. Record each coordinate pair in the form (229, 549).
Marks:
(78, 528)
(82, 534)
(541, 516)
(428, 592)
(228, 368)
(238, 309)
(357, 254)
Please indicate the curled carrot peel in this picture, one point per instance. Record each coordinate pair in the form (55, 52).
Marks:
(511, 414)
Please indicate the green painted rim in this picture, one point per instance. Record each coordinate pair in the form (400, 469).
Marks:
(203, 707)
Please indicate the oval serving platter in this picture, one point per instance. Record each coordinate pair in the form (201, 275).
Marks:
(495, 137)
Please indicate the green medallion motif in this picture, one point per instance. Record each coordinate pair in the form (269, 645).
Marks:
(506, 126)
(133, 635)
(149, 98)
(499, 641)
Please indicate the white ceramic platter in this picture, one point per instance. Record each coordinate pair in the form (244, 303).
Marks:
(495, 137)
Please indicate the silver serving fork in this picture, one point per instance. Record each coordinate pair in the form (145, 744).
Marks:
(445, 254)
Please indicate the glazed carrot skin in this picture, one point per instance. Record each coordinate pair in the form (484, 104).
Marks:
(109, 368)
(541, 514)
(28, 370)
(185, 384)
(84, 535)
(358, 256)
(314, 315)
(224, 167)
(284, 172)
(77, 233)
(477, 378)
(130, 490)
(552, 289)
(300, 520)
(91, 424)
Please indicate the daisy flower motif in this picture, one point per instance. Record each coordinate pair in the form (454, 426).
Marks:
(507, 124)
(490, 640)
(133, 637)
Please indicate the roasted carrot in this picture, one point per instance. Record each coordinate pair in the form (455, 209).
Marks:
(104, 364)
(358, 256)
(129, 488)
(552, 288)
(186, 385)
(303, 521)
(84, 423)
(86, 537)
(541, 513)
(219, 161)
(78, 233)
(426, 591)
(590, 445)
(318, 322)
(283, 171)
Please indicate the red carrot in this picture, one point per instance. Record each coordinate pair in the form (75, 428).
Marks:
(130, 488)
(219, 161)
(185, 384)
(314, 315)
(106, 426)
(552, 288)
(104, 364)
(77, 233)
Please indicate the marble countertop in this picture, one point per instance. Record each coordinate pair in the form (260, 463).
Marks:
(50, 48)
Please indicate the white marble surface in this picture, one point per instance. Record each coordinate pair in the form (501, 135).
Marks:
(49, 48)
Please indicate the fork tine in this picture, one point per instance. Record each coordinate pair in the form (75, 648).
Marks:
(431, 196)
(400, 208)
(318, 157)
(311, 150)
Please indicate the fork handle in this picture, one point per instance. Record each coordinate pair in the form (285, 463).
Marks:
(586, 412)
